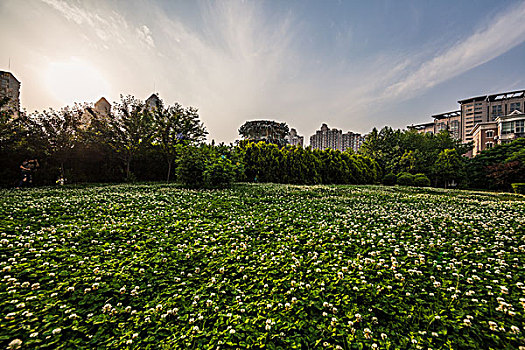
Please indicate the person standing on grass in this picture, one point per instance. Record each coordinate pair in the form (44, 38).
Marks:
(27, 168)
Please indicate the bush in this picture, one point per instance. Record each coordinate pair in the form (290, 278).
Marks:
(518, 188)
(191, 167)
(220, 172)
(405, 179)
(421, 180)
(389, 179)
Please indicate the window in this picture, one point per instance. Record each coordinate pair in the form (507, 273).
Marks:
(507, 128)
(519, 126)
(489, 145)
(489, 133)
(497, 111)
(515, 107)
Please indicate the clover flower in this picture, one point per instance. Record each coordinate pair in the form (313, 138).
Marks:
(15, 344)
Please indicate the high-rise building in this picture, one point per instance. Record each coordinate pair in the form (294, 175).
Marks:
(480, 110)
(10, 88)
(450, 121)
(351, 140)
(294, 139)
(487, 108)
(503, 130)
(327, 138)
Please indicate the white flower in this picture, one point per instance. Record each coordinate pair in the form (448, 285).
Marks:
(232, 331)
(15, 344)
(57, 330)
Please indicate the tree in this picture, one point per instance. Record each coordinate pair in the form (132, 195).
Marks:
(265, 130)
(59, 131)
(448, 166)
(129, 129)
(175, 126)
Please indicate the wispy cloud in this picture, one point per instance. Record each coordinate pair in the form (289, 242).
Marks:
(502, 34)
(239, 60)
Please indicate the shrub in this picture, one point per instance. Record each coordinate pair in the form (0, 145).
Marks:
(518, 188)
(405, 179)
(219, 172)
(191, 167)
(389, 179)
(421, 180)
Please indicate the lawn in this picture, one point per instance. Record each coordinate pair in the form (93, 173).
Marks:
(276, 266)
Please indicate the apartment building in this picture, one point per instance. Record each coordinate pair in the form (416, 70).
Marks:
(484, 136)
(498, 115)
(294, 139)
(425, 128)
(450, 121)
(10, 88)
(487, 108)
(503, 130)
(327, 138)
(351, 140)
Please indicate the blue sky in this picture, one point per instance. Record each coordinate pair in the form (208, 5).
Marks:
(351, 64)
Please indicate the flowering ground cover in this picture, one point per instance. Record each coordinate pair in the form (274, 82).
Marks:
(275, 266)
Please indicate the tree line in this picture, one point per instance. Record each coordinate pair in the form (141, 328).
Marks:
(133, 141)
(136, 141)
(402, 154)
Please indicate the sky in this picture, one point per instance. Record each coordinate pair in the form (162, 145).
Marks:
(354, 65)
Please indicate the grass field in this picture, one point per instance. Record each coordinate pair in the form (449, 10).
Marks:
(156, 266)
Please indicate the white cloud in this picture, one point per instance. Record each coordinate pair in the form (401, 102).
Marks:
(504, 33)
(237, 60)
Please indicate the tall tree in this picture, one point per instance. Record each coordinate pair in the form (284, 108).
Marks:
(265, 130)
(448, 166)
(59, 130)
(174, 126)
(129, 129)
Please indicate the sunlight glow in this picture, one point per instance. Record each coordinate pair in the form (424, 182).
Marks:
(75, 80)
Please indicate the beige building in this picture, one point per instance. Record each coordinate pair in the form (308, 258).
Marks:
(10, 88)
(503, 130)
(351, 140)
(327, 138)
(450, 121)
(103, 107)
(294, 139)
(511, 127)
(425, 128)
(484, 136)
(487, 108)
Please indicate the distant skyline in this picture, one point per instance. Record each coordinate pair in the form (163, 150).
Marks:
(351, 64)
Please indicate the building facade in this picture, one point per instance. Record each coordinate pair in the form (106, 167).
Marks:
(10, 88)
(327, 138)
(497, 114)
(294, 139)
(351, 140)
(450, 121)
(484, 136)
(503, 130)
(510, 127)
(487, 108)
